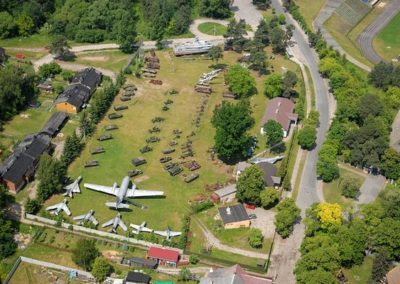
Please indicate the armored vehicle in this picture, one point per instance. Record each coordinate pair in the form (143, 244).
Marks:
(111, 127)
(120, 107)
(97, 150)
(105, 137)
(168, 151)
(145, 149)
(134, 173)
(152, 139)
(114, 115)
(165, 159)
(125, 98)
(138, 161)
(191, 177)
(92, 163)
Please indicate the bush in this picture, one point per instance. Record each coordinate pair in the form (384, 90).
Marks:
(32, 206)
(193, 259)
(199, 207)
(255, 238)
(350, 186)
(49, 70)
(288, 214)
(67, 75)
(269, 198)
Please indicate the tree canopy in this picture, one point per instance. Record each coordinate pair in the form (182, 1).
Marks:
(240, 81)
(274, 133)
(219, 9)
(85, 253)
(101, 269)
(250, 185)
(288, 214)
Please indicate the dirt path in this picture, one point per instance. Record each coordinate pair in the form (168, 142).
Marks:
(76, 67)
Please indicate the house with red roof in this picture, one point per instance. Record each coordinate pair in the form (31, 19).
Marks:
(164, 256)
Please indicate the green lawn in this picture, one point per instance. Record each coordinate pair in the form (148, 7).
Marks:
(332, 192)
(387, 42)
(113, 60)
(359, 274)
(310, 9)
(211, 28)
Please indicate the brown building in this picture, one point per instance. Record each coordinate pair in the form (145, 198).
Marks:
(282, 111)
(19, 168)
(234, 217)
(78, 93)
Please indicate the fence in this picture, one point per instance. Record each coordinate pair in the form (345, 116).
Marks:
(13, 269)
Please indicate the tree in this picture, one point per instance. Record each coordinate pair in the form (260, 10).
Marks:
(327, 167)
(278, 40)
(287, 215)
(219, 9)
(330, 215)
(255, 238)
(235, 35)
(101, 269)
(391, 164)
(289, 79)
(8, 28)
(32, 206)
(7, 243)
(84, 253)
(307, 137)
(215, 53)
(317, 276)
(59, 47)
(232, 121)
(274, 86)
(250, 184)
(51, 174)
(381, 76)
(350, 186)
(184, 274)
(258, 61)
(72, 148)
(240, 81)
(369, 105)
(25, 25)
(274, 133)
(67, 75)
(380, 267)
(269, 198)
(386, 237)
(49, 70)
(262, 33)
(193, 259)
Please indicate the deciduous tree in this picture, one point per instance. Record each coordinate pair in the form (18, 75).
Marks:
(255, 238)
(101, 269)
(269, 198)
(274, 133)
(250, 185)
(240, 81)
(84, 253)
(288, 214)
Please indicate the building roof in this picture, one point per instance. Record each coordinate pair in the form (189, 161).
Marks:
(23, 158)
(76, 95)
(270, 176)
(227, 190)
(164, 254)
(143, 261)
(88, 77)
(280, 110)
(137, 277)
(393, 276)
(232, 275)
(232, 214)
(54, 124)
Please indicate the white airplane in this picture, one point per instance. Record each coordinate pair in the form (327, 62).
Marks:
(168, 234)
(87, 217)
(57, 208)
(272, 160)
(115, 222)
(140, 228)
(73, 187)
(211, 73)
(122, 193)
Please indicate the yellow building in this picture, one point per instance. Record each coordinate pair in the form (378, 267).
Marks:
(234, 216)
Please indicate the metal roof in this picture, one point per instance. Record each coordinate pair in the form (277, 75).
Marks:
(232, 214)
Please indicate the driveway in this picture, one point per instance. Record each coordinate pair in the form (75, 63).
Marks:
(264, 221)
(370, 189)
(365, 39)
(244, 9)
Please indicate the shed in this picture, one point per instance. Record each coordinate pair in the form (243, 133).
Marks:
(73, 98)
(164, 256)
(55, 123)
(234, 216)
(140, 262)
(136, 278)
(225, 194)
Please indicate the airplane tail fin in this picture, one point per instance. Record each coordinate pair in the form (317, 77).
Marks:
(117, 206)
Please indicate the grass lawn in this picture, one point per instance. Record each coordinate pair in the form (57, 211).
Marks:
(387, 42)
(33, 41)
(113, 60)
(310, 9)
(332, 192)
(360, 273)
(211, 28)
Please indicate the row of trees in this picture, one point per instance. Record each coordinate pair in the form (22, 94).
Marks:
(308, 134)
(7, 243)
(278, 85)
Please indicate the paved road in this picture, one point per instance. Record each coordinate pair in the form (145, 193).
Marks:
(370, 189)
(395, 134)
(326, 11)
(244, 9)
(367, 36)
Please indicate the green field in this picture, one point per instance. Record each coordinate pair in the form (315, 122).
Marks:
(387, 42)
(332, 192)
(211, 28)
(310, 9)
(113, 60)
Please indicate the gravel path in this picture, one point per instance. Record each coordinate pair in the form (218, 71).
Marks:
(367, 36)
(371, 187)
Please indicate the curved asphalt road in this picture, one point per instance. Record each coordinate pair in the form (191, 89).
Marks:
(367, 36)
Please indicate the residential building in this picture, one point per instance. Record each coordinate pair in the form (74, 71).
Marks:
(234, 216)
(271, 179)
(164, 256)
(224, 195)
(89, 77)
(232, 275)
(55, 124)
(137, 278)
(282, 111)
(19, 168)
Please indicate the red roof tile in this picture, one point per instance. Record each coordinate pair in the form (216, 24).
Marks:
(163, 253)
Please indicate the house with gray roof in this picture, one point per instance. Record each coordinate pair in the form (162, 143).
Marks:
(55, 124)
(234, 216)
(232, 275)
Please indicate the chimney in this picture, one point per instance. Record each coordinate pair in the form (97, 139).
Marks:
(228, 210)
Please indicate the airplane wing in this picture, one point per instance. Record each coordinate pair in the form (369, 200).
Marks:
(52, 207)
(147, 230)
(66, 209)
(161, 233)
(67, 187)
(122, 224)
(76, 189)
(136, 227)
(102, 188)
(174, 234)
(143, 193)
(108, 223)
(93, 220)
(80, 217)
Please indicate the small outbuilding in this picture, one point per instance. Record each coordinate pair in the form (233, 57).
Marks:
(234, 216)
(136, 278)
(140, 262)
(225, 194)
(164, 256)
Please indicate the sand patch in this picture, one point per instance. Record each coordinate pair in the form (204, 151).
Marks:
(95, 58)
(142, 178)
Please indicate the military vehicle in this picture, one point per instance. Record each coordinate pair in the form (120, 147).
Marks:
(177, 131)
(130, 86)
(157, 119)
(168, 151)
(153, 65)
(173, 143)
(145, 149)
(192, 165)
(170, 165)
(114, 115)
(120, 107)
(134, 173)
(196, 46)
(165, 159)
(186, 154)
(152, 139)
(92, 163)
(105, 137)
(129, 93)
(172, 92)
(149, 75)
(175, 170)
(138, 161)
(155, 129)
(125, 98)
(155, 82)
(111, 127)
(97, 150)
(149, 70)
(168, 102)
(203, 89)
(165, 108)
(191, 177)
